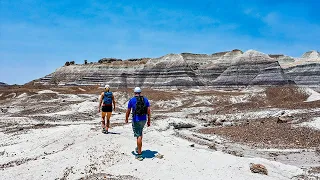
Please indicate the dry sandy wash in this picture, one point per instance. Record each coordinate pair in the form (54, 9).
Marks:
(54, 133)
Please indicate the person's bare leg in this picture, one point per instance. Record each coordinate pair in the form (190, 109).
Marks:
(103, 123)
(108, 120)
(139, 144)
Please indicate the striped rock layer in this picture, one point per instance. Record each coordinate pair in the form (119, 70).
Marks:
(224, 69)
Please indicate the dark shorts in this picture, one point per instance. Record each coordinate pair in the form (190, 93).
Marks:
(106, 109)
(137, 127)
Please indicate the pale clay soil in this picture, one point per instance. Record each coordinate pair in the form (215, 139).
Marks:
(54, 133)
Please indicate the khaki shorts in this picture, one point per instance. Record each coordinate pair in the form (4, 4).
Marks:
(137, 127)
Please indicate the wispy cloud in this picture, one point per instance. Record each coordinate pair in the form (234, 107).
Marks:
(292, 27)
(252, 12)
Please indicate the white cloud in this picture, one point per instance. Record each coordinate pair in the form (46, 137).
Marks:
(291, 27)
(271, 19)
(252, 12)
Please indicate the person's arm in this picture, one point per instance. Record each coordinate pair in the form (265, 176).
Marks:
(148, 111)
(149, 117)
(100, 101)
(128, 111)
(114, 103)
(127, 115)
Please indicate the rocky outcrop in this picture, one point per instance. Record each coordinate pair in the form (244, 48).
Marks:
(305, 70)
(3, 84)
(276, 56)
(263, 73)
(108, 60)
(232, 68)
(258, 168)
(307, 58)
(252, 68)
(305, 74)
(229, 57)
(311, 55)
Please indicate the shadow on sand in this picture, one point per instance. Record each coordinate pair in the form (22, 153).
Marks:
(113, 133)
(146, 153)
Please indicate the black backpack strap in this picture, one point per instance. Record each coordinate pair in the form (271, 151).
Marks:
(138, 97)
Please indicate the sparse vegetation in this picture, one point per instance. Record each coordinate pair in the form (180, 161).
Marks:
(285, 96)
(267, 133)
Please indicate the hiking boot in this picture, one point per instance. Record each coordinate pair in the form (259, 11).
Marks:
(139, 157)
(104, 131)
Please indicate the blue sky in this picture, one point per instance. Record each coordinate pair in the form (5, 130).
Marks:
(39, 36)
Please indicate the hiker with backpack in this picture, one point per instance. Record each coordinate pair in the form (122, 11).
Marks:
(106, 100)
(140, 107)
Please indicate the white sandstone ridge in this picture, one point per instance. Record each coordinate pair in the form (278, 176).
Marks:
(231, 55)
(253, 56)
(167, 61)
(224, 59)
(309, 57)
(285, 61)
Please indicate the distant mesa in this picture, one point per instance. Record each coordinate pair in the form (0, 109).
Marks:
(221, 69)
(3, 84)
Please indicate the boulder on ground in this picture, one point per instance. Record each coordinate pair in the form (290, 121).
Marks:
(258, 168)
(284, 119)
(218, 123)
(181, 125)
(212, 146)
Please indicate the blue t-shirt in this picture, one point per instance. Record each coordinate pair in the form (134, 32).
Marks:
(132, 106)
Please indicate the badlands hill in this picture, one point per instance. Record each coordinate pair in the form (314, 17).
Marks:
(267, 133)
(232, 68)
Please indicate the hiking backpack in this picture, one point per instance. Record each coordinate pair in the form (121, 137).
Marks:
(141, 108)
(107, 98)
